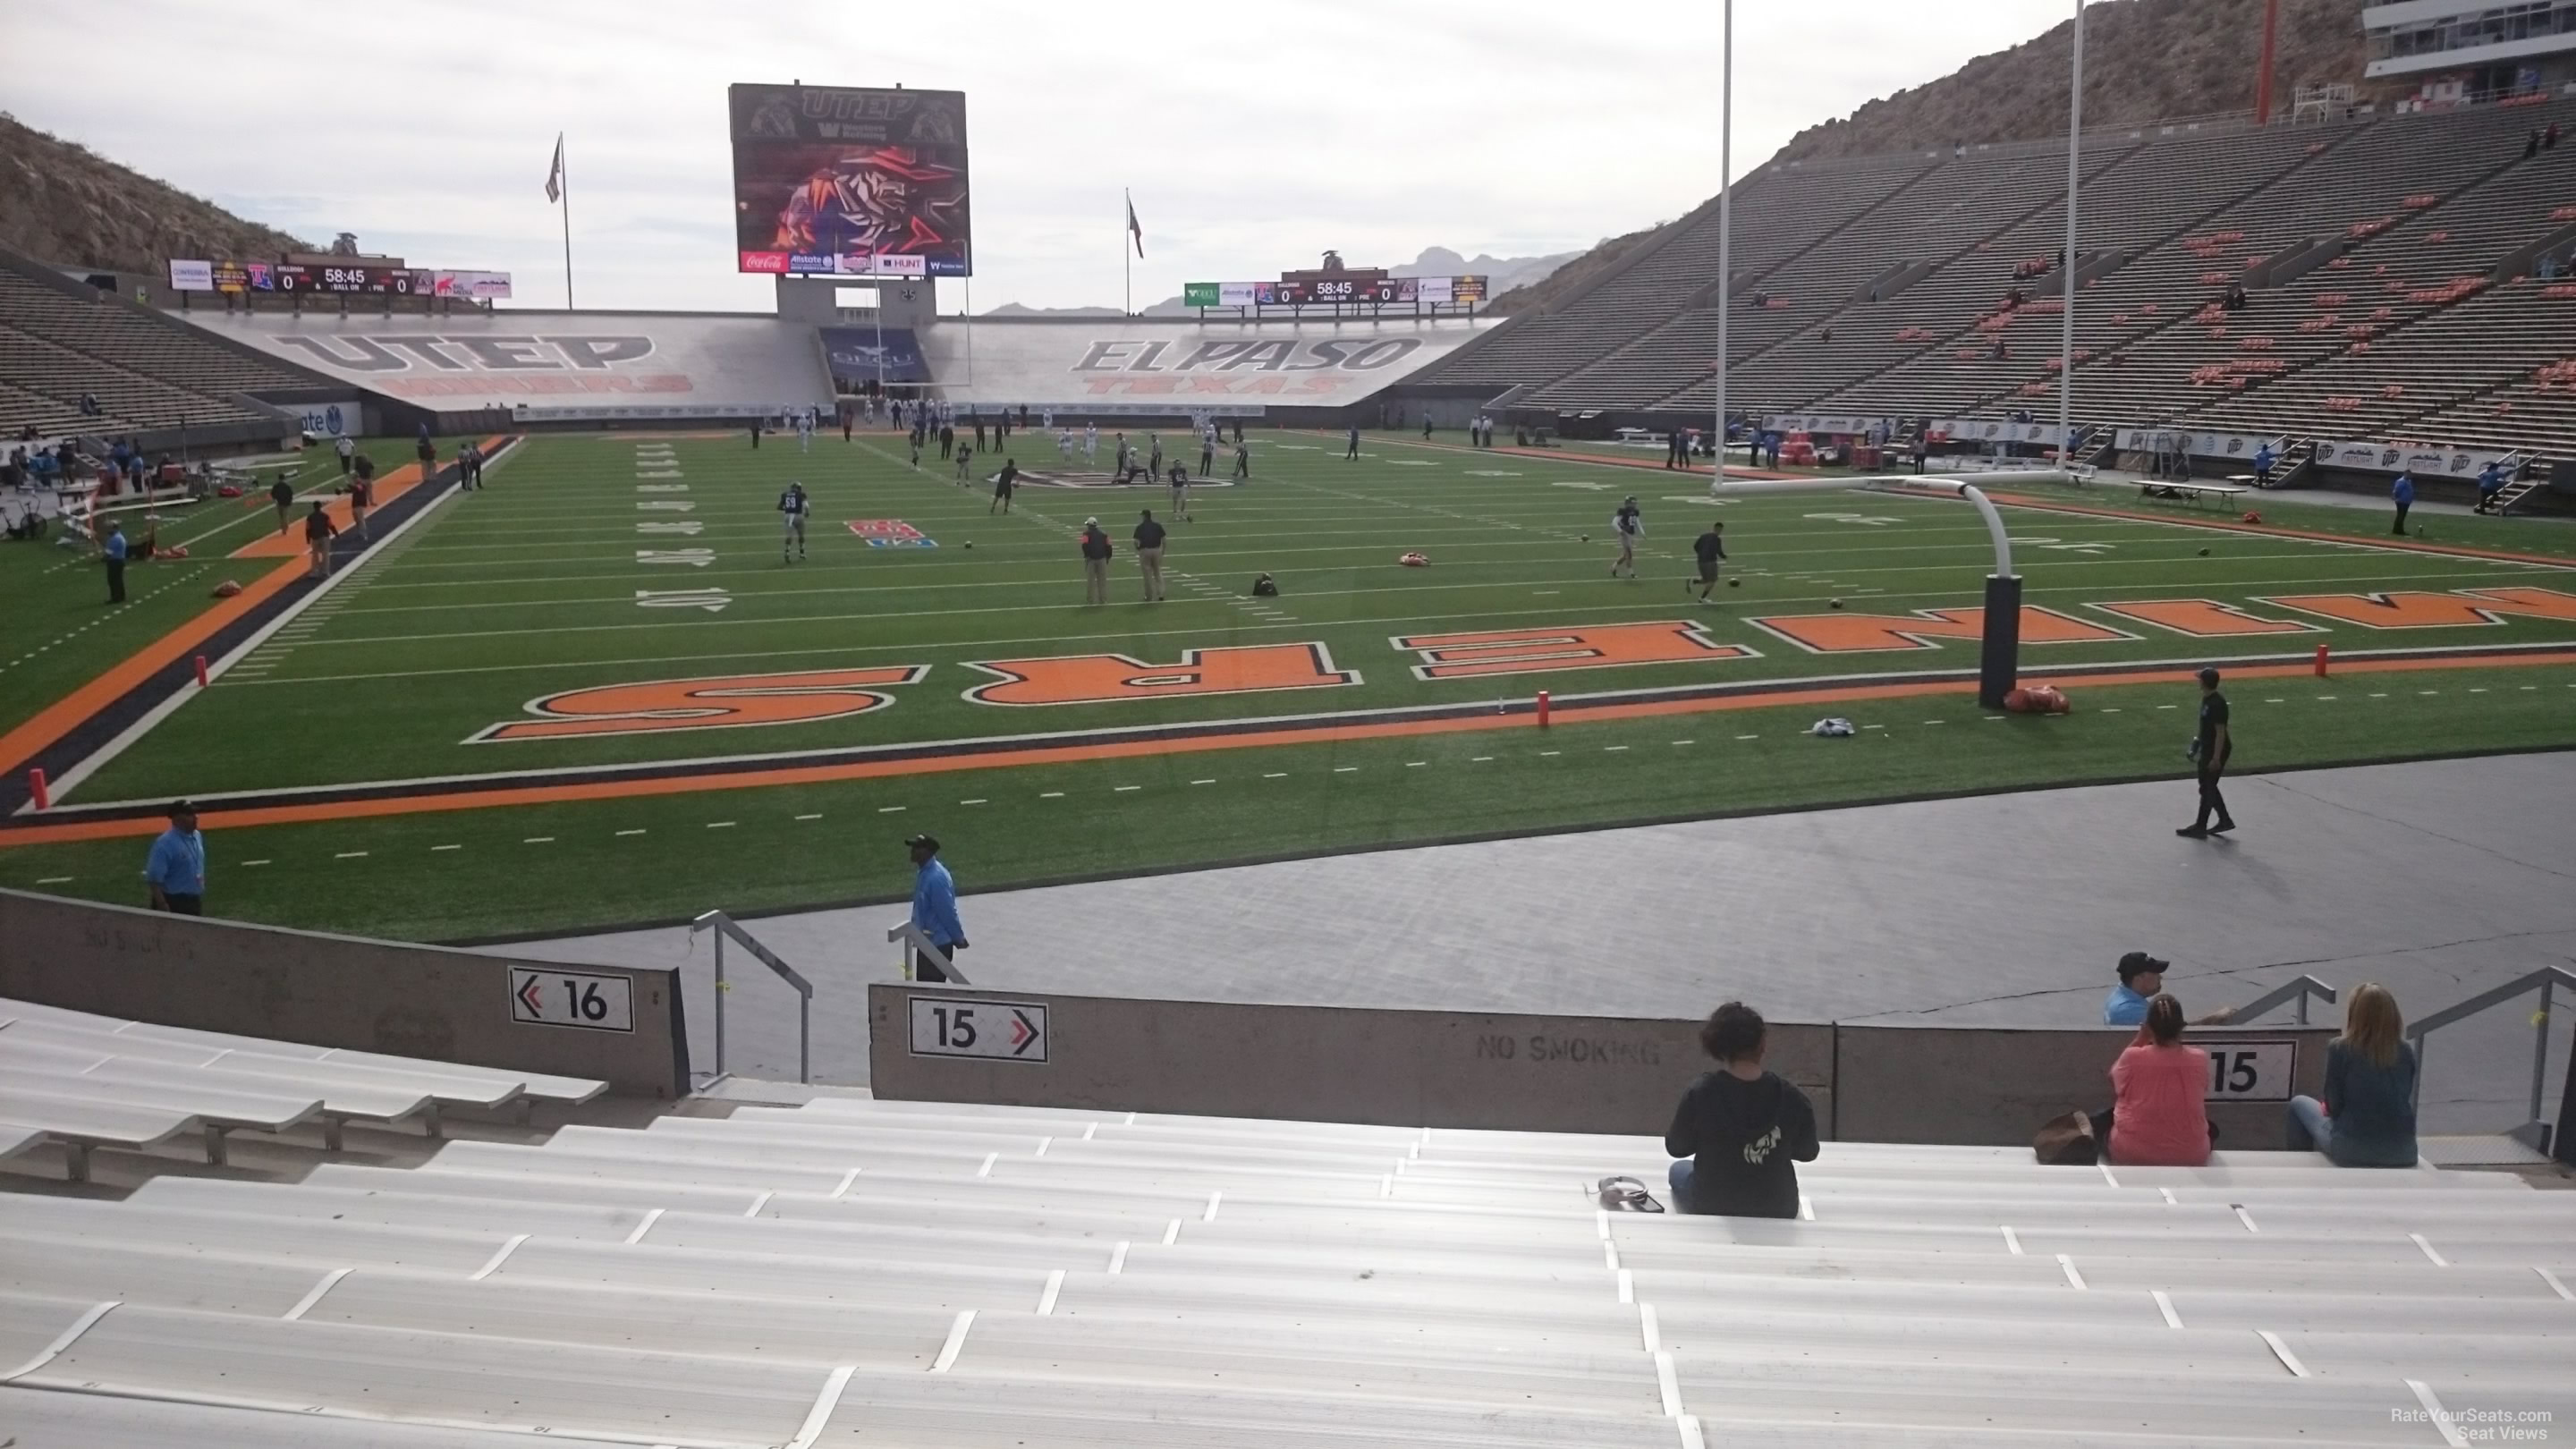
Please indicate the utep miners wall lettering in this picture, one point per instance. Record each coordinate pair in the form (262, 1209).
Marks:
(1590, 646)
(1101, 678)
(726, 701)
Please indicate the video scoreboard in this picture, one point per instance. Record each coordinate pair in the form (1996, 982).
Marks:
(1323, 291)
(336, 279)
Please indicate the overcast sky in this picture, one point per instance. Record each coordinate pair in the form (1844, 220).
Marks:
(1252, 137)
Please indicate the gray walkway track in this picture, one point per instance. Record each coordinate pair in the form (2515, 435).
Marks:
(2435, 879)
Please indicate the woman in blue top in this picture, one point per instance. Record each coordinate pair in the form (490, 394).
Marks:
(2368, 1116)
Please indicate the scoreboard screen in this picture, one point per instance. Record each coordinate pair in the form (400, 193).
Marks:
(1322, 291)
(354, 278)
(849, 181)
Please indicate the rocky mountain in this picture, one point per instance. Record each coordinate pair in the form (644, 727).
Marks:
(61, 203)
(2144, 60)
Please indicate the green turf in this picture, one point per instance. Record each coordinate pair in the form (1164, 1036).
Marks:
(62, 630)
(566, 867)
(530, 588)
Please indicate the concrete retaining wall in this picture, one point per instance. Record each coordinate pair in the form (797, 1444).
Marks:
(1338, 1064)
(323, 990)
(1532, 1073)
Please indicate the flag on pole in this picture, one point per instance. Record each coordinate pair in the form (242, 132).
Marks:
(1135, 228)
(554, 173)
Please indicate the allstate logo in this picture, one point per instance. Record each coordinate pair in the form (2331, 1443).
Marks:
(331, 420)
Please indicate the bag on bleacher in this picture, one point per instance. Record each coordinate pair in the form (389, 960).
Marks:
(2066, 1141)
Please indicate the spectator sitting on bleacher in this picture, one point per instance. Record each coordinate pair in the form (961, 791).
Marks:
(2157, 1116)
(1739, 1130)
(89, 400)
(2368, 1116)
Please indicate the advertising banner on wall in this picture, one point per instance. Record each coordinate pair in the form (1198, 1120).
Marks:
(1200, 294)
(474, 286)
(2397, 458)
(2200, 445)
(338, 418)
(191, 276)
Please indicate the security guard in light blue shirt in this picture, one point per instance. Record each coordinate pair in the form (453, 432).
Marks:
(934, 908)
(177, 865)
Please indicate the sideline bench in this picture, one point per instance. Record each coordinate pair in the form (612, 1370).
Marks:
(2189, 492)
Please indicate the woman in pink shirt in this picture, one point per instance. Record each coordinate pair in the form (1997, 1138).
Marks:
(2157, 1088)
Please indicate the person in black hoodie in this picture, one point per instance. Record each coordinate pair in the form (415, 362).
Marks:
(1739, 1129)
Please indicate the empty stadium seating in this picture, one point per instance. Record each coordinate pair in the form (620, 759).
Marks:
(853, 1271)
(89, 1082)
(146, 372)
(2380, 259)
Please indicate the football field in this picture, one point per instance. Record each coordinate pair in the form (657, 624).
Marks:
(594, 693)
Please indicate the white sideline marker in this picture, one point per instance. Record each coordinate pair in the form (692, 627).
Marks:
(1610, 1255)
(1647, 1326)
(2441, 1417)
(62, 1341)
(650, 1218)
(2074, 1279)
(2282, 1352)
(956, 1341)
(1088, 1128)
(1043, 1144)
(1627, 1286)
(1691, 1436)
(2012, 1241)
(2438, 1260)
(2170, 1199)
(758, 1203)
(847, 1178)
(1118, 1258)
(498, 1258)
(2247, 1219)
(305, 1304)
(2554, 1285)
(1054, 1286)
(2164, 1305)
(824, 1403)
(1210, 1215)
(987, 1169)
(1671, 1387)
(1171, 1232)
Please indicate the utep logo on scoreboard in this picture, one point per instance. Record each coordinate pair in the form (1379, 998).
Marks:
(890, 533)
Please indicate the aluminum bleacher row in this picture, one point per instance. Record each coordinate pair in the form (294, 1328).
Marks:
(88, 1082)
(2404, 321)
(856, 1272)
(145, 371)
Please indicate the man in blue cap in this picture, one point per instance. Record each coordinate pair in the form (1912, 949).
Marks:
(934, 908)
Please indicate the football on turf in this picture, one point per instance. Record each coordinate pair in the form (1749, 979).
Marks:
(1735, 583)
(2204, 553)
(1833, 603)
(1587, 538)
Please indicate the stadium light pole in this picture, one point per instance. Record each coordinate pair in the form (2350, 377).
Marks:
(2066, 330)
(1725, 229)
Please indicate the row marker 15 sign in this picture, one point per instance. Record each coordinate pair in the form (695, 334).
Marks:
(2251, 1071)
(954, 1026)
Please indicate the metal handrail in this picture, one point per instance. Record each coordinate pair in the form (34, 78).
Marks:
(724, 926)
(2301, 987)
(2533, 1133)
(911, 936)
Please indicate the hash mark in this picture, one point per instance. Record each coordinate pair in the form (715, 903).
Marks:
(447, 847)
(350, 855)
(809, 817)
(890, 809)
(720, 825)
(971, 802)
(1052, 795)
(1123, 789)
(538, 840)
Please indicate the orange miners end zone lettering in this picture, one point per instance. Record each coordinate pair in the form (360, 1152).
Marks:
(1590, 646)
(2203, 618)
(1100, 678)
(1880, 633)
(2460, 609)
(723, 702)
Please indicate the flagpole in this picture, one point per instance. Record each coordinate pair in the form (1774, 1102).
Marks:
(2066, 326)
(1725, 230)
(563, 176)
(1127, 263)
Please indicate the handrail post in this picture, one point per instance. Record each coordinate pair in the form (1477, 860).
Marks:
(721, 989)
(2540, 1051)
